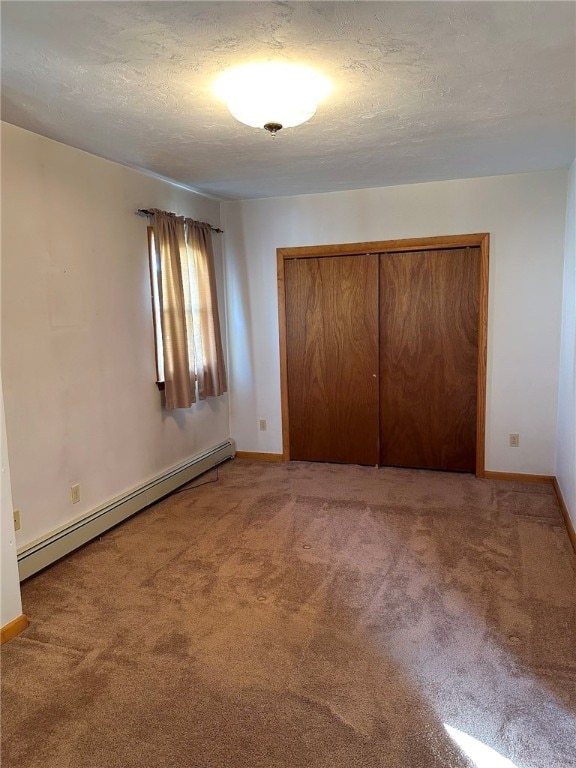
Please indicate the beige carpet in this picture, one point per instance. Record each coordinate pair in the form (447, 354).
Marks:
(305, 616)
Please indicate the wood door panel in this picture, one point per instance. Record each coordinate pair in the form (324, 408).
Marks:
(428, 358)
(332, 358)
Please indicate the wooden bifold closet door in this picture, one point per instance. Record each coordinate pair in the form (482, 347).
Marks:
(332, 356)
(382, 356)
(429, 358)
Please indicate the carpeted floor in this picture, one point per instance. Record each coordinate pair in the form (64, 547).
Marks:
(305, 616)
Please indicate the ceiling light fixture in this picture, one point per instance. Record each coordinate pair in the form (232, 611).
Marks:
(272, 95)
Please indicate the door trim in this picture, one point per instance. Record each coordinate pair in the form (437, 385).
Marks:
(480, 240)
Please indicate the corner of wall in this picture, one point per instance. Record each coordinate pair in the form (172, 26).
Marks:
(566, 423)
(11, 606)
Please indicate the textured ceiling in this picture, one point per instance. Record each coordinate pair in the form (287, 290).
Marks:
(423, 91)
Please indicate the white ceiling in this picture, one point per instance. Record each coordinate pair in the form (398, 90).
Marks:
(423, 90)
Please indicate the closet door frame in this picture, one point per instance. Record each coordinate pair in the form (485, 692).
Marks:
(480, 240)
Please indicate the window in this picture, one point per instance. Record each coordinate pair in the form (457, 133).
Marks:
(189, 355)
(155, 294)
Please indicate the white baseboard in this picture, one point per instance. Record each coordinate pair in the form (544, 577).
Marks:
(46, 550)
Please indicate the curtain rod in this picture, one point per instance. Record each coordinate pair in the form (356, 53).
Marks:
(146, 212)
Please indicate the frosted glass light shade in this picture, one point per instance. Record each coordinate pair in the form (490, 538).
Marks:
(273, 92)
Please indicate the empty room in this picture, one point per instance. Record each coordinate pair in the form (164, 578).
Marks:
(288, 348)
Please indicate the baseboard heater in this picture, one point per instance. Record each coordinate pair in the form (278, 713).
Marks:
(42, 552)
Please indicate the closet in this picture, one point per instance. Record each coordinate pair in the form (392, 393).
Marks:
(332, 351)
(383, 354)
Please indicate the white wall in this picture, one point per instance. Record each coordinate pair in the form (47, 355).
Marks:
(566, 462)
(77, 352)
(10, 600)
(11, 604)
(524, 215)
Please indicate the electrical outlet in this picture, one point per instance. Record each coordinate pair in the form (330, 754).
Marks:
(514, 440)
(263, 425)
(16, 519)
(75, 493)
